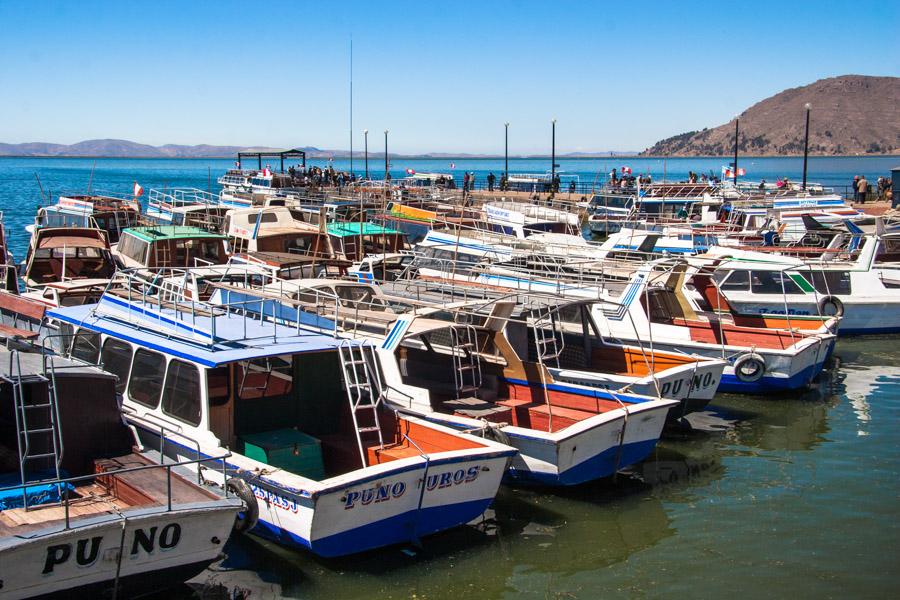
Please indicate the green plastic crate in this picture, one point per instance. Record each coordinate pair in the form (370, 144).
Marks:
(288, 449)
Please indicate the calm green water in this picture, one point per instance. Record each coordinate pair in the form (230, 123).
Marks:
(795, 496)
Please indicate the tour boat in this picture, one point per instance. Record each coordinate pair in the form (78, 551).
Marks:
(470, 377)
(760, 360)
(857, 278)
(84, 510)
(336, 470)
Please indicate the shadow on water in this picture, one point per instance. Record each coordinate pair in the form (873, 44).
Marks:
(526, 531)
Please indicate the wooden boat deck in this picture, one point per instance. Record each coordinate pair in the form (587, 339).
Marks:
(109, 493)
(95, 500)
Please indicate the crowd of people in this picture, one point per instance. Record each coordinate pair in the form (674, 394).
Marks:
(627, 180)
(862, 189)
(319, 177)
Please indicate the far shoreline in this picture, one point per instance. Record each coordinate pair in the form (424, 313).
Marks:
(468, 158)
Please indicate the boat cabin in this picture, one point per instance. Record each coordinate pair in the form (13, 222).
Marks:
(273, 229)
(58, 254)
(353, 241)
(170, 246)
(110, 214)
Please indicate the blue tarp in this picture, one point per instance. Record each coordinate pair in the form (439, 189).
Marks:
(39, 493)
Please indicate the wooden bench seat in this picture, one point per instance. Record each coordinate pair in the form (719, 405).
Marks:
(477, 408)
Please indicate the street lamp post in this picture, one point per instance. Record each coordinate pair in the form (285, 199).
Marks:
(366, 136)
(807, 106)
(506, 151)
(553, 158)
(736, 129)
(386, 172)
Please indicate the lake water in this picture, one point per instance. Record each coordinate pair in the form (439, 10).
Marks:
(791, 496)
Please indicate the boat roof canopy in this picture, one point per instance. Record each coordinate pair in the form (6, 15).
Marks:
(57, 237)
(237, 338)
(353, 228)
(279, 154)
(171, 232)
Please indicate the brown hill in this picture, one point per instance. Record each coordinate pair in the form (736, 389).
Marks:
(852, 114)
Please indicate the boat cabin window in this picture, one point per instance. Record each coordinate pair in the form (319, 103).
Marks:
(735, 281)
(442, 260)
(611, 201)
(831, 282)
(134, 248)
(86, 346)
(888, 250)
(773, 282)
(181, 395)
(146, 379)
(115, 357)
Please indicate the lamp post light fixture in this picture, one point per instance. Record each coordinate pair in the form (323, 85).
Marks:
(807, 106)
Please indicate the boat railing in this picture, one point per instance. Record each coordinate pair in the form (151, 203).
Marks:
(64, 484)
(182, 197)
(163, 301)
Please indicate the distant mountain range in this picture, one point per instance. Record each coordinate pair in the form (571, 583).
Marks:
(128, 149)
(852, 114)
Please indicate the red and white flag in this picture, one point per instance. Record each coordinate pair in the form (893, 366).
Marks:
(138, 190)
(452, 165)
(728, 172)
(410, 172)
(267, 171)
(626, 170)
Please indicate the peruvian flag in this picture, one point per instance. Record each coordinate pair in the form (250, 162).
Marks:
(410, 172)
(728, 172)
(267, 171)
(138, 190)
(626, 170)
(452, 165)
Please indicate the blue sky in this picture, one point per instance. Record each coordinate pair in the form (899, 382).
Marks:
(441, 76)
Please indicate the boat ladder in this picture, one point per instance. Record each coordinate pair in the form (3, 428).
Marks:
(549, 343)
(466, 362)
(548, 348)
(37, 421)
(247, 367)
(362, 380)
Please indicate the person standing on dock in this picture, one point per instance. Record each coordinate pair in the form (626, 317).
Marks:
(862, 187)
(490, 180)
